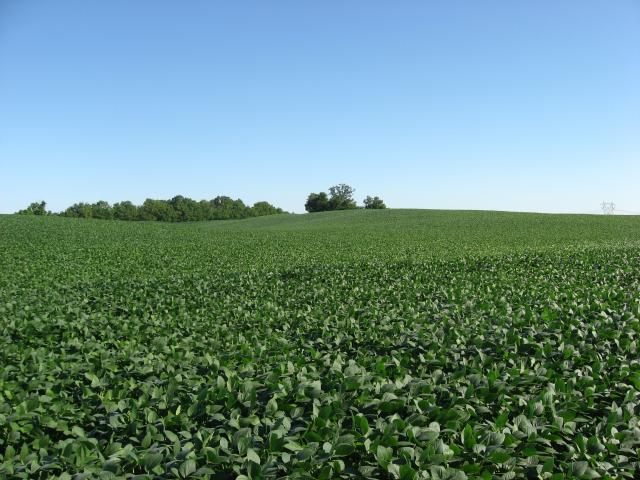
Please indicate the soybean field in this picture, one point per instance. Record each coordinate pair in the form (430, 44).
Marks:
(391, 344)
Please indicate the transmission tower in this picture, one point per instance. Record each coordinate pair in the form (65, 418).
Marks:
(608, 208)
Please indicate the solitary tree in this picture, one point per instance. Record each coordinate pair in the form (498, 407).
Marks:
(373, 203)
(317, 202)
(341, 197)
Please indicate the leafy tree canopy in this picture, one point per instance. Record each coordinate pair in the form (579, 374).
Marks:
(36, 208)
(373, 203)
(341, 197)
(317, 202)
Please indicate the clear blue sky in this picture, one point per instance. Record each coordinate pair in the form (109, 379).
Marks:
(509, 105)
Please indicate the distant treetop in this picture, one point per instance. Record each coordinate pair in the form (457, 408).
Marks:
(373, 203)
(36, 208)
(340, 198)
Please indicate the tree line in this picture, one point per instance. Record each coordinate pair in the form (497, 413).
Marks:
(184, 209)
(177, 209)
(340, 197)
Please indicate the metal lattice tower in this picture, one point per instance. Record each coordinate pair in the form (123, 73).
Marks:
(608, 208)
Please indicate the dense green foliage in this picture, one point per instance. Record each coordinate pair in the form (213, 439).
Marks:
(35, 208)
(317, 202)
(178, 209)
(374, 203)
(356, 344)
(340, 198)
